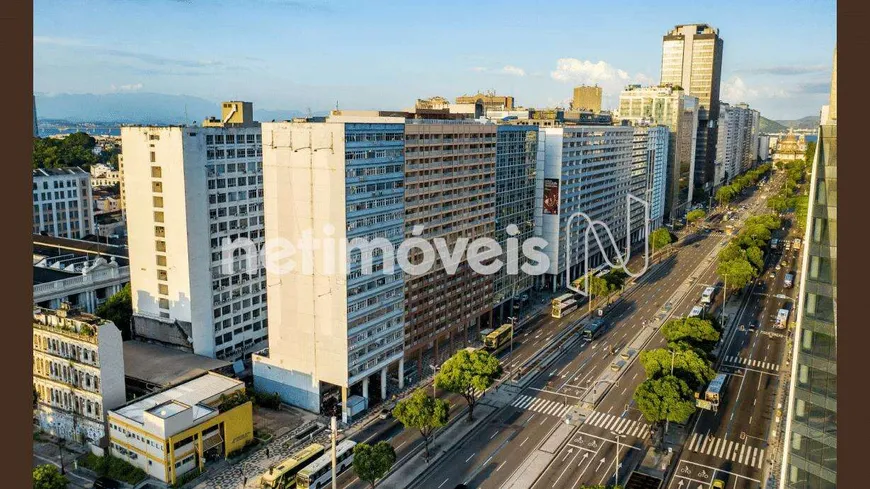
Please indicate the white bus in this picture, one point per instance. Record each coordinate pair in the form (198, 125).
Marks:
(696, 312)
(319, 473)
(781, 319)
(564, 308)
(707, 295)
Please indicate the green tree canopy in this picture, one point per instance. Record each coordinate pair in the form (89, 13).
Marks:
(695, 215)
(423, 413)
(690, 367)
(725, 194)
(665, 399)
(467, 373)
(738, 273)
(769, 221)
(756, 257)
(371, 463)
(693, 331)
(119, 309)
(48, 477)
(660, 238)
(73, 150)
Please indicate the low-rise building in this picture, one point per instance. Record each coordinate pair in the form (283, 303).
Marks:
(175, 431)
(150, 368)
(103, 175)
(78, 373)
(83, 273)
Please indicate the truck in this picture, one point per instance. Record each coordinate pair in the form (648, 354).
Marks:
(707, 295)
(796, 244)
(789, 280)
(696, 312)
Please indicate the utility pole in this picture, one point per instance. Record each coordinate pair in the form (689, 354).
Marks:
(616, 462)
(334, 425)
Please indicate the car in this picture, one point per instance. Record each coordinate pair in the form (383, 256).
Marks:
(385, 413)
(772, 275)
(106, 483)
(753, 324)
(461, 486)
(778, 266)
(718, 484)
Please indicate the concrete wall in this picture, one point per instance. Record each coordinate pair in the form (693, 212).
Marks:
(294, 388)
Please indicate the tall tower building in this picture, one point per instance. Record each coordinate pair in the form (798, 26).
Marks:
(692, 59)
(587, 98)
(810, 444)
(189, 192)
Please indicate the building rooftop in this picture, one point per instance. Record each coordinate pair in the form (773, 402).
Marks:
(42, 275)
(191, 393)
(164, 366)
(52, 172)
(53, 246)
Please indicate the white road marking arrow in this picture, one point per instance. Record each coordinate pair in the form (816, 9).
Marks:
(599, 464)
(681, 483)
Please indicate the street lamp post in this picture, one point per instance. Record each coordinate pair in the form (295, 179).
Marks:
(616, 462)
(513, 321)
(435, 369)
(334, 426)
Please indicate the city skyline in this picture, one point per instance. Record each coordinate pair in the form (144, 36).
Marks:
(177, 48)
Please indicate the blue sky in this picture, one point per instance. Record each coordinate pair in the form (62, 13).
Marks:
(285, 54)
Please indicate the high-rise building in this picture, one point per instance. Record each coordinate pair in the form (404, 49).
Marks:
(334, 323)
(516, 156)
(810, 444)
(692, 59)
(190, 193)
(737, 142)
(63, 202)
(648, 175)
(671, 107)
(582, 169)
(587, 98)
(78, 373)
(450, 191)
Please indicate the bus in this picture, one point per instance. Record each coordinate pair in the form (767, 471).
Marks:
(484, 333)
(781, 319)
(714, 390)
(319, 473)
(283, 475)
(564, 308)
(562, 298)
(789, 280)
(594, 329)
(499, 337)
(696, 312)
(707, 295)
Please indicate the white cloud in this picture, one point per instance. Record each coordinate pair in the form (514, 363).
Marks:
(735, 90)
(479, 69)
(585, 71)
(513, 71)
(132, 87)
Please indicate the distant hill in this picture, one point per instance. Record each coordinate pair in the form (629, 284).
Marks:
(771, 126)
(138, 108)
(808, 122)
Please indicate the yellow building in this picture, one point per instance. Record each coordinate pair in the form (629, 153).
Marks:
(791, 147)
(588, 98)
(490, 100)
(178, 430)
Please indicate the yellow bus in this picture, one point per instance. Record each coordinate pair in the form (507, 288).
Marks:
(283, 475)
(498, 338)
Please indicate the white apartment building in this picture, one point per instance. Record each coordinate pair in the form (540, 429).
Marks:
(103, 175)
(737, 142)
(584, 169)
(333, 328)
(649, 172)
(78, 373)
(678, 111)
(189, 190)
(62, 202)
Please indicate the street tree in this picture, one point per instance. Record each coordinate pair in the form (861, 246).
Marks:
(756, 257)
(665, 399)
(119, 309)
(725, 194)
(660, 238)
(693, 331)
(371, 463)
(738, 273)
(48, 477)
(468, 372)
(695, 215)
(424, 413)
(692, 368)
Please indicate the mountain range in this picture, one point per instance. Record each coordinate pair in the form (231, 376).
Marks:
(139, 108)
(772, 126)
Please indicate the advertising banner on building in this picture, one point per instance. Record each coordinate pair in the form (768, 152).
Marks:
(551, 196)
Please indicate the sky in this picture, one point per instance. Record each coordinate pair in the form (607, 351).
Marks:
(378, 54)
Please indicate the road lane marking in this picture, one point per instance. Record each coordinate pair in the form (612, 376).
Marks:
(524, 441)
(470, 457)
(445, 482)
(500, 466)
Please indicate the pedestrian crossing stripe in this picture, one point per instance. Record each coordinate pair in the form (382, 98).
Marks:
(623, 426)
(752, 363)
(727, 449)
(541, 405)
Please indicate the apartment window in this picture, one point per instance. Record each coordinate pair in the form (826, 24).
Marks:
(156, 171)
(161, 275)
(158, 216)
(160, 231)
(163, 289)
(158, 201)
(163, 303)
(153, 157)
(161, 260)
(160, 245)
(157, 187)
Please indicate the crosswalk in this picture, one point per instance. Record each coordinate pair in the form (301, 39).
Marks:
(624, 426)
(738, 452)
(752, 363)
(541, 405)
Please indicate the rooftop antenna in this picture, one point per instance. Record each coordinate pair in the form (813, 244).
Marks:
(186, 118)
(336, 105)
(310, 114)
